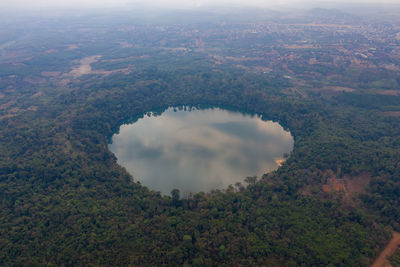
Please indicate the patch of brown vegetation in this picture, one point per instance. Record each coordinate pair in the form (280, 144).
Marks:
(391, 67)
(200, 43)
(338, 89)
(125, 45)
(391, 113)
(306, 191)
(175, 49)
(50, 51)
(64, 82)
(108, 72)
(17, 64)
(356, 185)
(329, 91)
(123, 59)
(390, 248)
(244, 58)
(7, 116)
(389, 92)
(303, 46)
(313, 61)
(294, 91)
(7, 105)
(14, 110)
(34, 80)
(298, 91)
(2, 96)
(241, 67)
(32, 108)
(72, 47)
(312, 24)
(50, 73)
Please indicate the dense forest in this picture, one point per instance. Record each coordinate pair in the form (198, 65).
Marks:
(65, 201)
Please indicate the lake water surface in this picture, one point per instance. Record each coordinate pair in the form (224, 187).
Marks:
(199, 149)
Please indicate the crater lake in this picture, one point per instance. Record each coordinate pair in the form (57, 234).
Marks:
(197, 150)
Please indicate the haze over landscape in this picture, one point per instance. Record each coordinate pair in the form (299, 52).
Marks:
(44, 4)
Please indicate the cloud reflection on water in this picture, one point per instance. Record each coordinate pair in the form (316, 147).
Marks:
(199, 150)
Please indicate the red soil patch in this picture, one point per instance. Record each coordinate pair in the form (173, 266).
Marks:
(352, 186)
(333, 185)
(390, 248)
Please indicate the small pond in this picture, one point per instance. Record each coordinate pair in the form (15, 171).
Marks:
(197, 150)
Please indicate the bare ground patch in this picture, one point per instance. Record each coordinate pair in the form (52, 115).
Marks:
(390, 92)
(279, 161)
(352, 186)
(86, 68)
(333, 185)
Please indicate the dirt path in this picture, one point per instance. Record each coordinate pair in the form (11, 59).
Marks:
(382, 261)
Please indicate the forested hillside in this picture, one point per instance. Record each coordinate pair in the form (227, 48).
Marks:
(67, 84)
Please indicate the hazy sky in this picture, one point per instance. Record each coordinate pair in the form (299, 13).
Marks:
(163, 3)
